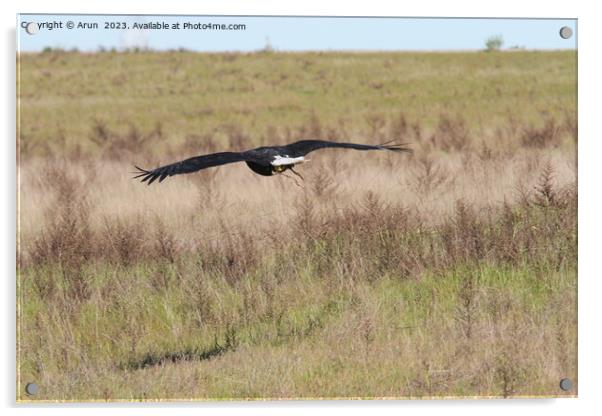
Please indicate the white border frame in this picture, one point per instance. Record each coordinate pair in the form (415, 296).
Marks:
(589, 196)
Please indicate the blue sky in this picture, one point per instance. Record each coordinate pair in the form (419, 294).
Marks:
(298, 33)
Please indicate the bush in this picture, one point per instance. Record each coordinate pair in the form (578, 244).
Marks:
(494, 43)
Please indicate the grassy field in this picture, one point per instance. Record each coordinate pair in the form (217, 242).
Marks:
(449, 272)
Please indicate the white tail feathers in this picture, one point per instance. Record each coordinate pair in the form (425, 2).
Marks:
(279, 160)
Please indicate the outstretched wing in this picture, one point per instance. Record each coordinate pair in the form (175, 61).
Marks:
(189, 165)
(303, 147)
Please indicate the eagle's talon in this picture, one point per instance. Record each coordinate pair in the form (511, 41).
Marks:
(290, 177)
(297, 173)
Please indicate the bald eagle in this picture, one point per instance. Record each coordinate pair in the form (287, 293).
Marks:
(266, 161)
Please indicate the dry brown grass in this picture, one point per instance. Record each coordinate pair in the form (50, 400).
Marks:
(104, 191)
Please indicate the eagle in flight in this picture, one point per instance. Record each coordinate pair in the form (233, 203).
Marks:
(266, 161)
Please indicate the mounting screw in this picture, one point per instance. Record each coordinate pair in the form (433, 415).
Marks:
(32, 28)
(566, 32)
(31, 389)
(566, 384)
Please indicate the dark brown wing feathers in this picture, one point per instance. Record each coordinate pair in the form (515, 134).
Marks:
(262, 156)
(303, 147)
(189, 165)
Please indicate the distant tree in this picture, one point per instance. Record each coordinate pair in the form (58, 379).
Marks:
(268, 46)
(494, 43)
